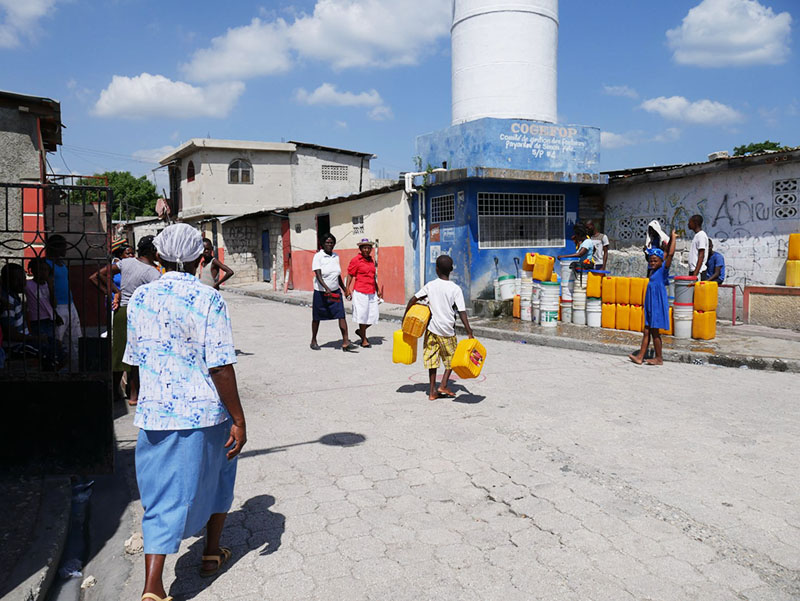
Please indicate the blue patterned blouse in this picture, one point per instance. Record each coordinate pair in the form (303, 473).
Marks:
(178, 328)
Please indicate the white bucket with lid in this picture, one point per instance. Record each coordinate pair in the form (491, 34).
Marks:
(525, 309)
(682, 319)
(508, 287)
(566, 310)
(579, 316)
(548, 304)
(594, 310)
(567, 278)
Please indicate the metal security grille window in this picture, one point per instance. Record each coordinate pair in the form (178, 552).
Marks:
(785, 194)
(358, 224)
(336, 173)
(520, 220)
(443, 208)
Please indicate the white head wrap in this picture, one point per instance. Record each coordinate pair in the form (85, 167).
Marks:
(179, 243)
(649, 243)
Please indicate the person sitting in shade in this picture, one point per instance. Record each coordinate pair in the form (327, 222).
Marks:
(715, 266)
(584, 248)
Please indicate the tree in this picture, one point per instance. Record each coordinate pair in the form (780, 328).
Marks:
(754, 147)
(133, 196)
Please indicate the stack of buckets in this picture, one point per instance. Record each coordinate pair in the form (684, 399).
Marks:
(793, 262)
(567, 287)
(594, 300)
(537, 271)
(683, 307)
(623, 303)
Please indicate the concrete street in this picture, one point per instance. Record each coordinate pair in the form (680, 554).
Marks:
(556, 475)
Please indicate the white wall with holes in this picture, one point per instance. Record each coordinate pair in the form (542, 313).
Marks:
(748, 210)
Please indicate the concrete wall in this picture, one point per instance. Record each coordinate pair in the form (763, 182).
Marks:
(738, 206)
(514, 144)
(387, 220)
(19, 159)
(475, 267)
(210, 192)
(308, 185)
(241, 242)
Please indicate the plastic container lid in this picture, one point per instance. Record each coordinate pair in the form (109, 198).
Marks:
(598, 271)
(684, 304)
(690, 278)
(550, 284)
(506, 277)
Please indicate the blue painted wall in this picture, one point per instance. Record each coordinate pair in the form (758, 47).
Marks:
(514, 144)
(475, 267)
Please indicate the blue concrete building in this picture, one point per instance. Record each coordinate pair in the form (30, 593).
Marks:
(510, 186)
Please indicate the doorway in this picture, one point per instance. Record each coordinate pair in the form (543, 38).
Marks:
(323, 227)
(266, 257)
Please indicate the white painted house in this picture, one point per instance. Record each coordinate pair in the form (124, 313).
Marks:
(213, 183)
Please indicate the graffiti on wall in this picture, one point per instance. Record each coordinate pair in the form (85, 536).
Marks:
(744, 216)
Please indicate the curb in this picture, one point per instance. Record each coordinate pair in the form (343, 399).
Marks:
(552, 341)
(37, 570)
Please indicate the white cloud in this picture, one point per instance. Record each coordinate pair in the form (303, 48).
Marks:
(703, 112)
(328, 95)
(611, 140)
(671, 134)
(148, 95)
(342, 33)
(153, 155)
(18, 19)
(723, 33)
(625, 91)
(244, 52)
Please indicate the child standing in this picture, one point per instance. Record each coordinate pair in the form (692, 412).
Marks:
(445, 299)
(42, 317)
(656, 305)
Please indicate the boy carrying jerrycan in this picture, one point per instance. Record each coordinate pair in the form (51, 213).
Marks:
(445, 299)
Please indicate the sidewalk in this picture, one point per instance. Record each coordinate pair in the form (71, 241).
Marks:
(752, 347)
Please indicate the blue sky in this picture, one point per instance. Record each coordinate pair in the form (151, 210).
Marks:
(667, 82)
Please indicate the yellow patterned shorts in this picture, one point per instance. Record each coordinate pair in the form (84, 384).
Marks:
(437, 347)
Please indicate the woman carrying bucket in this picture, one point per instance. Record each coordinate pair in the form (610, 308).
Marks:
(656, 306)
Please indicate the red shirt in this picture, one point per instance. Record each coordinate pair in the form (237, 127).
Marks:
(363, 270)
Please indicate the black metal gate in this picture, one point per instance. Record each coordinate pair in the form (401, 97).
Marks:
(55, 363)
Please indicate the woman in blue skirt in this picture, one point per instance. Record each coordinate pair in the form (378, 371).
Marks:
(656, 304)
(191, 421)
(328, 291)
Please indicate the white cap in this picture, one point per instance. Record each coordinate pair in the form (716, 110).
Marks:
(179, 243)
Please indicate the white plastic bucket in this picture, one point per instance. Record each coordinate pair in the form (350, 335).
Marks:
(684, 290)
(518, 286)
(579, 316)
(682, 319)
(594, 310)
(579, 300)
(567, 279)
(566, 311)
(525, 309)
(549, 318)
(508, 287)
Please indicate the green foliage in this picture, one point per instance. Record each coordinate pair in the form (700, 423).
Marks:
(757, 147)
(133, 196)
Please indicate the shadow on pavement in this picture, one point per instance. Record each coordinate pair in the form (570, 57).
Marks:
(336, 439)
(264, 530)
(462, 394)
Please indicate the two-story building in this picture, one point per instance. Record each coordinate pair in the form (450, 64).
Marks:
(231, 188)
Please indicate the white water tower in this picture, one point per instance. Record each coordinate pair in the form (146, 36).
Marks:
(504, 59)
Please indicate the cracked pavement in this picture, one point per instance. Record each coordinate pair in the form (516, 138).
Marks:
(559, 475)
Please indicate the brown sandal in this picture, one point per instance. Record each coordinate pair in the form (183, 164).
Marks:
(224, 555)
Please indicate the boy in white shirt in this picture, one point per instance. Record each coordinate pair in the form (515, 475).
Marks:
(698, 252)
(445, 299)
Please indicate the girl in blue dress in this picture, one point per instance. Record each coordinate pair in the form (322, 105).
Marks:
(656, 305)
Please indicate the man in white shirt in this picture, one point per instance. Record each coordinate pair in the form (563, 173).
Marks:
(698, 252)
(600, 242)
